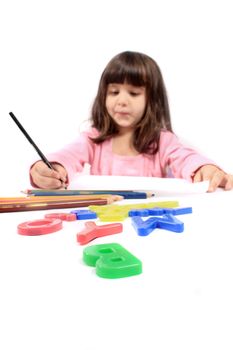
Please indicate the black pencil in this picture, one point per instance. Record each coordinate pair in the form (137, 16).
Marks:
(42, 156)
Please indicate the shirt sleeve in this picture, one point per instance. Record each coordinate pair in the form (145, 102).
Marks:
(182, 160)
(75, 155)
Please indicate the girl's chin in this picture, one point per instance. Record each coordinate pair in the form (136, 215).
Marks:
(124, 123)
(125, 127)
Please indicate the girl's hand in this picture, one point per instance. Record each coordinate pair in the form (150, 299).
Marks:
(44, 177)
(216, 177)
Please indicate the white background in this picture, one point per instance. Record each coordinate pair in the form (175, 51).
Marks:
(51, 56)
(53, 53)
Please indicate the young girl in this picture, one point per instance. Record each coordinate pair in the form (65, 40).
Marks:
(131, 133)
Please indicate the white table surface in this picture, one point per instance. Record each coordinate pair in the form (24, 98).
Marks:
(183, 299)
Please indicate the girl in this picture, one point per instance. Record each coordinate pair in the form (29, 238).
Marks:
(131, 133)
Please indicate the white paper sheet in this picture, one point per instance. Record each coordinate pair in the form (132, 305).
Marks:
(160, 186)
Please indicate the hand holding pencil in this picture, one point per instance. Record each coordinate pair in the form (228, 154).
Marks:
(57, 174)
(41, 173)
(46, 178)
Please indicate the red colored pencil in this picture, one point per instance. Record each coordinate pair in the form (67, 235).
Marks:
(10, 207)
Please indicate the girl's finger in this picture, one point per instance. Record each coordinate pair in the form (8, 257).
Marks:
(229, 183)
(48, 182)
(218, 179)
(197, 177)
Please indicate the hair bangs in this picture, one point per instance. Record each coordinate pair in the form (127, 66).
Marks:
(125, 73)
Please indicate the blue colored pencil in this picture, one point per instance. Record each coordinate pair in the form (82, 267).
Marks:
(125, 194)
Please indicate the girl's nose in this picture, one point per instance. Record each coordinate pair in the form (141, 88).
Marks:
(122, 98)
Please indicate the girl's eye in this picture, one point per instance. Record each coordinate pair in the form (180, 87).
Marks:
(113, 92)
(134, 93)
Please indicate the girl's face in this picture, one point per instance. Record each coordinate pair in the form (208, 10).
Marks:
(125, 104)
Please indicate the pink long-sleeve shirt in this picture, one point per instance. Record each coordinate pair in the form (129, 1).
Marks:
(181, 161)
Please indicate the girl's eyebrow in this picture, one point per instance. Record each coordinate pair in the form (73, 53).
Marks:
(138, 87)
(113, 84)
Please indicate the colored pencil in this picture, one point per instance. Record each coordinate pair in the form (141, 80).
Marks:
(71, 192)
(38, 199)
(125, 194)
(20, 206)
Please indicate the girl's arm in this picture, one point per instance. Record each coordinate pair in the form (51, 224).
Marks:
(187, 163)
(67, 162)
(216, 177)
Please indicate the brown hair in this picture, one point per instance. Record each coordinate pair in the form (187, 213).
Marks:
(136, 69)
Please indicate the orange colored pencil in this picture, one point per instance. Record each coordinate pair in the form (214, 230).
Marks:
(42, 199)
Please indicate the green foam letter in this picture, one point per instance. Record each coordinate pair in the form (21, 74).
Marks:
(112, 260)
